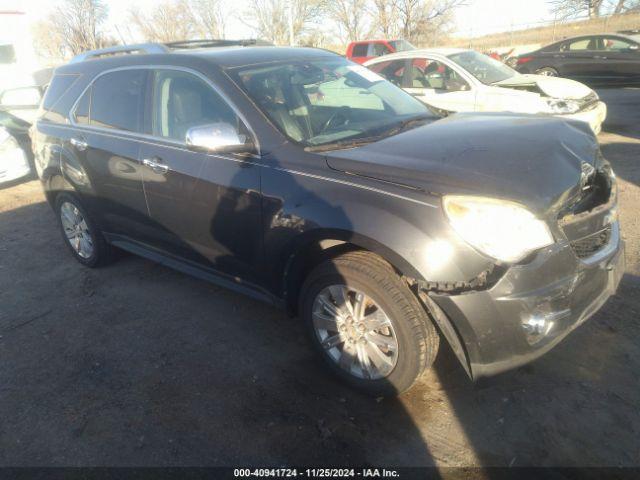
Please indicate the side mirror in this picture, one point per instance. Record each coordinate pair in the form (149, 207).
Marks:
(218, 138)
(16, 98)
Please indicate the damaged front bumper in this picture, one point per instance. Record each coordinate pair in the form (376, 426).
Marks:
(594, 114)
(532, 307)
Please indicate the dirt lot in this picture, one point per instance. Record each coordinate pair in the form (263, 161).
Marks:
(135, 364)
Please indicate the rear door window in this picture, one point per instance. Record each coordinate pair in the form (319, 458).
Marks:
(580, 45)
(117, 100)
(360, 50)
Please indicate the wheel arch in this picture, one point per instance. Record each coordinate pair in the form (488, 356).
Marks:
(312, 248)
(322, 245)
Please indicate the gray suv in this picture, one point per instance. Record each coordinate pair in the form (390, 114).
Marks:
(307, 181)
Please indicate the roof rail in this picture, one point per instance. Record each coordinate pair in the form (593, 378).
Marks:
(140, 47)
(212, 42)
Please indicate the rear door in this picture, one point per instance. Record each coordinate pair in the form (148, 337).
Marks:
(583, 59)
(206, 207)
(108, 119)
(439, 85)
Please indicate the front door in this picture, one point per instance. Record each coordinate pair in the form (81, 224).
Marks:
(206, 207)
(622, 58)
(439, 85)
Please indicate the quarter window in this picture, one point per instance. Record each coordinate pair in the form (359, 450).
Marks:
(182, 100)
(81, 115)
(117, 100)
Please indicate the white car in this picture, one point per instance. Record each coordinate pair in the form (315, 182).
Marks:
(14, 162)
(458, 80)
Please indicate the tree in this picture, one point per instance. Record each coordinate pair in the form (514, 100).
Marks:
(73, 26)
(421, 20)
(385, 18)
(167, 22)
(350, 17)
(576, 8)
(271, 19)
(566, 9)
(207, 17)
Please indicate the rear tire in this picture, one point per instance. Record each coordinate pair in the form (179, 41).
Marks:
(368, 327)
(547, 72)
(80, 233)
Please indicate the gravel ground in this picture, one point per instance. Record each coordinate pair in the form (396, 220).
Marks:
(135, 364)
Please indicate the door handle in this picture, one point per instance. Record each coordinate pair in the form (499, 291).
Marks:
(80, 145)
(156, 165)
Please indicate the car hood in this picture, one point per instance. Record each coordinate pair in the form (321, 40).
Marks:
(534, 160)
(553, 87)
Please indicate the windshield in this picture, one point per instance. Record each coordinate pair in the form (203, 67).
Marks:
(401, 45)
(484, 68)
(325, 101)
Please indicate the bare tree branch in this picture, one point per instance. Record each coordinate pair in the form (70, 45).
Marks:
(350, 18)
(167, 22)
(207, 17)
(270, 18)
(71, 28)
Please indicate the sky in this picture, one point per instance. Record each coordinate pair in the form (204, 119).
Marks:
(477, 17)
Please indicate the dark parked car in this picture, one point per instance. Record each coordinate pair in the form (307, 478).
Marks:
(308, 181)
(610, 59)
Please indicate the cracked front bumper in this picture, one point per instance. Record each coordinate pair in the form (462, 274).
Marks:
(494, 324)
(594, 115)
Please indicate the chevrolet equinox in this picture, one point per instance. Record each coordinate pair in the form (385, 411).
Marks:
(300, 178)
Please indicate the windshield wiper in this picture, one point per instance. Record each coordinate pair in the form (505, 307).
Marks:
(348, 143)
(359, 141)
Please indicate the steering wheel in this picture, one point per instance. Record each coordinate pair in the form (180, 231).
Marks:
(343, 113)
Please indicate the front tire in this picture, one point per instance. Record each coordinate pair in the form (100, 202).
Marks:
(367, 325)
(80, 233)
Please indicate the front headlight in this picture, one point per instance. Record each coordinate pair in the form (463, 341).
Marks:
(500, 229)
(559, 106)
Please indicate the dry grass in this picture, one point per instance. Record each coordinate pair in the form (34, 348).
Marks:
(548, 34)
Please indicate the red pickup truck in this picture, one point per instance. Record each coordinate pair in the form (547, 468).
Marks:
(365, 50)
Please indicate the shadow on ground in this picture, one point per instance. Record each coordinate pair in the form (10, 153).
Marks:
(135, 364)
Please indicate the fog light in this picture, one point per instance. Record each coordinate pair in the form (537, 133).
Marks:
(539, 324)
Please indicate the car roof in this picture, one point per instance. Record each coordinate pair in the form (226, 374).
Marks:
(223, 57)
(445, 52)
(633, 38)
(232, 57)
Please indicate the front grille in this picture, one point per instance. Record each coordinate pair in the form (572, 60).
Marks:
(588, 246)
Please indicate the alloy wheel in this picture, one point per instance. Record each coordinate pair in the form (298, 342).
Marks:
(76, 230)
(355, 332)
